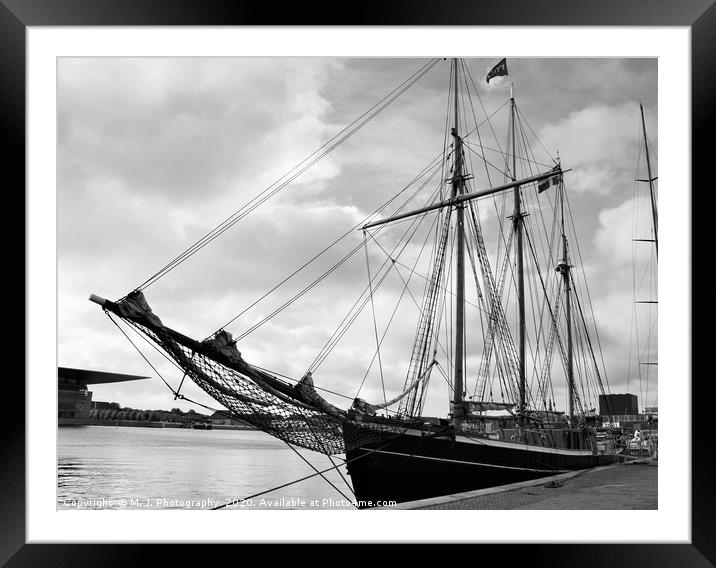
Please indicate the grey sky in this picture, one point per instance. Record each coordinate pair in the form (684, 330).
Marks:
(154, 152)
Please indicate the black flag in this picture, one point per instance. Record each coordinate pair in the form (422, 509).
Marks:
(497, 70)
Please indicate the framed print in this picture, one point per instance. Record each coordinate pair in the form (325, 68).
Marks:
(209, 370)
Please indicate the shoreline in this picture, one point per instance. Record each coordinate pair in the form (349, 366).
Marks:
(136, 424)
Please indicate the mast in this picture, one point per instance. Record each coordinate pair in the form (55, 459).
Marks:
(654, 218)
(517, 228)
(654, 214)
(564, 269)
(460, 277)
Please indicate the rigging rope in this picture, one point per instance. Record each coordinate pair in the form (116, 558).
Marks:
(238, 501)
(589, 298)
(292, 174)
(375, 324)
(397, 305)
(433, 164)
(414, 225)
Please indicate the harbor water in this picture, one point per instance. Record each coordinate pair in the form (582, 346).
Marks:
(109, 467)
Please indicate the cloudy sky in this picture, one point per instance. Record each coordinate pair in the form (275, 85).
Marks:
(152, 153)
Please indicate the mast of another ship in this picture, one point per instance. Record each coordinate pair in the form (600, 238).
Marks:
(517, 228)
(654, 214)
(457, 182)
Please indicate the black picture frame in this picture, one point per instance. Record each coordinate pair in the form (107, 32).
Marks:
(699, 15)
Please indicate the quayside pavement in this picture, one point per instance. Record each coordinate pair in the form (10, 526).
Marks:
(624, 486)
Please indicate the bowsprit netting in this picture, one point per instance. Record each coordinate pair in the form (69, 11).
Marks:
(296, 414)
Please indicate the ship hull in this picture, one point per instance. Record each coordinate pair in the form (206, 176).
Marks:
(412, 465)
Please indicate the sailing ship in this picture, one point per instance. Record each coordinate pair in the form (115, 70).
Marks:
(509, 429)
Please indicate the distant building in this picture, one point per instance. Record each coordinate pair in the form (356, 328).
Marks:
(618, 404)
(74, 400)
(222, 419)
(624, 410)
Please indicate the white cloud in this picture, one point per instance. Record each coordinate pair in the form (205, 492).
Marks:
(618, 227)
(186, 128)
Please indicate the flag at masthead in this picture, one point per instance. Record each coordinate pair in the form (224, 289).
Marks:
(497, 70)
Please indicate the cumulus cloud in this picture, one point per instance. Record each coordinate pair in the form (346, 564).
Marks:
(186, 128)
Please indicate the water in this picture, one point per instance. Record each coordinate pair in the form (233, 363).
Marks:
(108, 467)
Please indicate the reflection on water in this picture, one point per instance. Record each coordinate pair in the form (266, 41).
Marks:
(105, 467)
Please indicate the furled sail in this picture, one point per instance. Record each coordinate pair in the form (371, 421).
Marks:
(472, 407)
(308, 394)
(360, 406)
(481, 406)
(296, 414)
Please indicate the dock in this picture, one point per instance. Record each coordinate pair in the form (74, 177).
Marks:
(630, 485)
